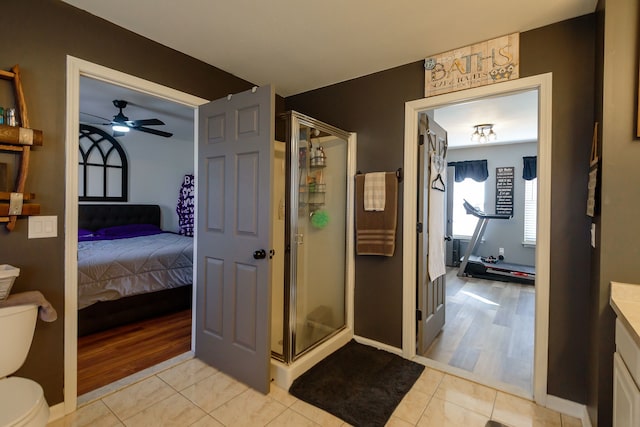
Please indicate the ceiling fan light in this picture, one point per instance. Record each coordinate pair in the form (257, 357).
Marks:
(120, 128)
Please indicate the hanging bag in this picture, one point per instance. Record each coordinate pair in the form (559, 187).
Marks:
(593, 174)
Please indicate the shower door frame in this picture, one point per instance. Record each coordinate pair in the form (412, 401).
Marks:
(294, 121)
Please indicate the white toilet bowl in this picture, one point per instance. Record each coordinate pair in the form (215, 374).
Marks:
(22, 402)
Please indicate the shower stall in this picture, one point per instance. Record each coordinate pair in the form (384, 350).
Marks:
(313, 227)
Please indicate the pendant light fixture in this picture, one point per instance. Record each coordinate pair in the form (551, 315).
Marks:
(480, 135)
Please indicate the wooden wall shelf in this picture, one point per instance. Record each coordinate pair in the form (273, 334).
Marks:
(18, 140)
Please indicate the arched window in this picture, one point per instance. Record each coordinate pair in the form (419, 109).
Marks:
(103, 173)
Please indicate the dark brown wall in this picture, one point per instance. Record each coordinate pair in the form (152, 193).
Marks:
(619, 229)
(596, 324)
(568, 50)
(373, 106)
(38, 35)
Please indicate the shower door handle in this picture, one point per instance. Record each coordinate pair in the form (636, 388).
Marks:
(260, 254)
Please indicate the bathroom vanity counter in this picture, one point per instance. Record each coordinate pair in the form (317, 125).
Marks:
(625, 301)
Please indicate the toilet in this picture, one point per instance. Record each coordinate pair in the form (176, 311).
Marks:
(22, 401)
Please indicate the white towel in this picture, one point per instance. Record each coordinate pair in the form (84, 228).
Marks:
(374, 191)
(437, 200)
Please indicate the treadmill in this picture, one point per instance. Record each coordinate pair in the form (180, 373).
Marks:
(492, 269)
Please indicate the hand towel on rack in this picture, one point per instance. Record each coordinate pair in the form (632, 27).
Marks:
(376, 230)
(374, 191)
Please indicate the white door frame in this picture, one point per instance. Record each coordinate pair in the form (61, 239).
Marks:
(542, 83)
(76, 68)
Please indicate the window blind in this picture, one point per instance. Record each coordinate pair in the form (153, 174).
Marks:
(530, 208)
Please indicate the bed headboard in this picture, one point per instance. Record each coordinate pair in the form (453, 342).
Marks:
(94, 217)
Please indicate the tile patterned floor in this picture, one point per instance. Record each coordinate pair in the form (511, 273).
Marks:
(194, 394)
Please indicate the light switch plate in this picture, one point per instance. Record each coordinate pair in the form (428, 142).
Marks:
(41, 226)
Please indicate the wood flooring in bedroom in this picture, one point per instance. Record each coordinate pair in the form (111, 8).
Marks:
(108, 356)
(489, 330)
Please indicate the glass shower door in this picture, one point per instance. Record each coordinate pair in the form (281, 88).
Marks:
(318, 233)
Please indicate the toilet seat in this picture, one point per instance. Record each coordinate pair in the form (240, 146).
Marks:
(22, 403)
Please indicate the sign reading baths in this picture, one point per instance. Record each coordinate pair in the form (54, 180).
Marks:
(492, 61)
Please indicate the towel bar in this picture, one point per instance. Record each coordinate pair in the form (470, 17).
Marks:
(398, 173)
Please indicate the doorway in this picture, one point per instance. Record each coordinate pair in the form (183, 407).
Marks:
(149, 300)
(490, 315)
(75, 69)
(413, 109)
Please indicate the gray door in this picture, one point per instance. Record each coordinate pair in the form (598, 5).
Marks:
(233, 302)
(431, 294)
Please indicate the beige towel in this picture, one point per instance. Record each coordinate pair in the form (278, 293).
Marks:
(374, 191)
(376, 230)
(437, 200)
(46, 310)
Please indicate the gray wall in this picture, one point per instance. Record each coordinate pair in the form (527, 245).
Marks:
(373, 106)
(156, 169)
(42, 34)
(507, 234)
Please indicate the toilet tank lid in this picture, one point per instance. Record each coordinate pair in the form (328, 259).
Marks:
(19, 397)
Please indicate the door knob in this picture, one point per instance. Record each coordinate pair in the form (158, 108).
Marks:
(447, 238)
(260, 254)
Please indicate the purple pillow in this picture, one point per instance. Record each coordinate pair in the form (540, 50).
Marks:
(128, 230)
(85, 235)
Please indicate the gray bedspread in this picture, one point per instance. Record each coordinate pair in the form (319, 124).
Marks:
(112, 269)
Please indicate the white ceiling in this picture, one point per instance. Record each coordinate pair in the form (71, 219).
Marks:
(96, 108)
(302, 45)
(515, 119)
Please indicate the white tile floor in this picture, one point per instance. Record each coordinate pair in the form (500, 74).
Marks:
(194, 394)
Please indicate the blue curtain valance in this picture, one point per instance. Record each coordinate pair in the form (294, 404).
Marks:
(474, 169)
(530, 167)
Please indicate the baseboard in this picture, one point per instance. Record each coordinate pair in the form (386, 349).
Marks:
(586, 420)
(284, 375)
(378, 345)
(56, 412)
(570, 408)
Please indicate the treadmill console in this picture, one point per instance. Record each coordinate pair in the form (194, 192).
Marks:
(471, 210)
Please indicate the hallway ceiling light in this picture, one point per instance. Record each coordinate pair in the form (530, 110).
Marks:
(479, 134)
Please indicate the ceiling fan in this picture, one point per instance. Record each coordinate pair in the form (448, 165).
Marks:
(121, 123)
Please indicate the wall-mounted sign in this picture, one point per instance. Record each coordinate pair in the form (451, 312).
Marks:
(504, 190)
(492, 61)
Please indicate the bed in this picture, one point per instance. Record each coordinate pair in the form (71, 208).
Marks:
(128, 268)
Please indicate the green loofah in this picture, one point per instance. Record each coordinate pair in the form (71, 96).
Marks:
(320, 219)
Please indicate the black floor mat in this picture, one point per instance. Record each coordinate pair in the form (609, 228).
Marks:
(357, 383)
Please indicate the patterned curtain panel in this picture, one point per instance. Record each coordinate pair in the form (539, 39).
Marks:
(474, 169)
(529, 170)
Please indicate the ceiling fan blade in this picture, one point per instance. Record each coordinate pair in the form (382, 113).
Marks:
(153, 131)
(95, 116)
(144, 122)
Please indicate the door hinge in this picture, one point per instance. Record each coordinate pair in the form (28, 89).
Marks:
(420, 139)
(419, 227)
(418, 315)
